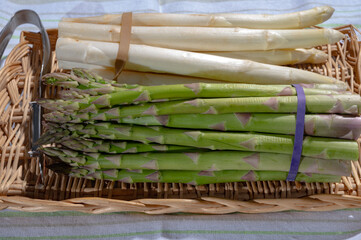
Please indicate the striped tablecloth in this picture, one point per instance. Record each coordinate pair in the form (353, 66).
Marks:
(344, 224)
(279, 226)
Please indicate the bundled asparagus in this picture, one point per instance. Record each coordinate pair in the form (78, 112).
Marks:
(261, 144)
(199, 161)
(302, 19)
(95, 41)
(195, 132)
(318, 125)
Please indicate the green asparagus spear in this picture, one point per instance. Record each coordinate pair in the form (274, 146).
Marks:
(327, 148)
(195, 177)
(202, 161)
(177, 91)
(322, 125)
(81, 75)
(98, 145)
(345, 104)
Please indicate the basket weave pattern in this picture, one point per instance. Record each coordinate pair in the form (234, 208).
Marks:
(23, 188)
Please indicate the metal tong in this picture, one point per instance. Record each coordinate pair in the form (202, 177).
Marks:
(19, 18)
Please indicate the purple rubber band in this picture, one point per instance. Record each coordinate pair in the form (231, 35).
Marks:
(300, 127)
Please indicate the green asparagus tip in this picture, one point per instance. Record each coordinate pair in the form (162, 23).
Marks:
(52, 78)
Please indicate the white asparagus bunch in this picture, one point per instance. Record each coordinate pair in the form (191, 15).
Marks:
(300, 19)
(161, 60)
(204, 39)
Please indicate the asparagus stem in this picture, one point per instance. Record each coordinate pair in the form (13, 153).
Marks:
(343, 104)
(201, 161)
(107, 146)
(302, 19)
(196, 177)
(332, 125)
(98, 145)
(154, 79)
(326, 148)
(204, 39)
(129, 94)
(321, 125)
(278, 56)
(90, 75)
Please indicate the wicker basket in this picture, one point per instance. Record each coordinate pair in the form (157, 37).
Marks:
(23, 188)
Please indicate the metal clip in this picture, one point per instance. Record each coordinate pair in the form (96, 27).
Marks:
(19, 18)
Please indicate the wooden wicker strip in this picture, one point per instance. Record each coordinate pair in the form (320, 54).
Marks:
(204, 205)
(22, 188)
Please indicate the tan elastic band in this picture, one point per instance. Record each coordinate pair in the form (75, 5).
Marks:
(123, 49)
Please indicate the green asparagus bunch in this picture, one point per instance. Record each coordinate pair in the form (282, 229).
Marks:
(197, 133)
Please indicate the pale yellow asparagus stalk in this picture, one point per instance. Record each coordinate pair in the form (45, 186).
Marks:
(109, 71)
(278, 56)
(204, 39)
(142, 78)
(300, 19)
(162, 60)
(153, 79)
(275, 57)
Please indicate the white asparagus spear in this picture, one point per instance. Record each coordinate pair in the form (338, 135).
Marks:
(278, 56)
(162, 60)
(204, 39)
(300, 19)
(153, 79)
(132, 77)
(69, 65)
